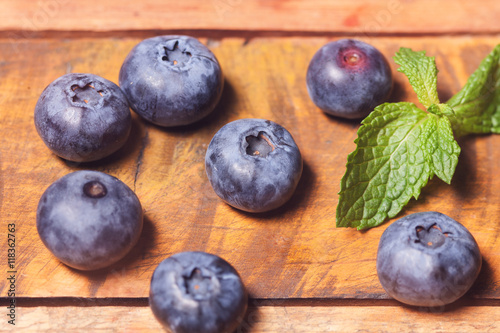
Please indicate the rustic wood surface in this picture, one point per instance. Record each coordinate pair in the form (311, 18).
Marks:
(303, 274)
(294, 252)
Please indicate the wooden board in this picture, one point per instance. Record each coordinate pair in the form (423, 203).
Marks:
(294, 252)
(273, 318)
(369, 17)
(303, 274)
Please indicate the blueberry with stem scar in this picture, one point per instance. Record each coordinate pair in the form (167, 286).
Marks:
(89, 219)
(83, 117)
(348, 78)
(427, 259)
(253, 164)
(172, 80)
(197, 292)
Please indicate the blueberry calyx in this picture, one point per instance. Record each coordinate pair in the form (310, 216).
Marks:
(86, 93)
(352, 57)
(260, 145)
(95, 189)
(175, 55)
(200, 285)
(432, 236)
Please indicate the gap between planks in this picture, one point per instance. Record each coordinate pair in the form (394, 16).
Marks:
(226, 33)
(253, 302)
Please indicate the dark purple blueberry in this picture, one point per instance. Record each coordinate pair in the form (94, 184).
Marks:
(89, 219)
(83, 117)
(171, 80)
(348, 78)
(253, 164)
(427, 259)
(197, 292)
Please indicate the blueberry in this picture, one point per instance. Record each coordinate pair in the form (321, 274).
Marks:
(83, 117)
(253, 164)
(171, 80)
(89, 219)
(195, 292)
(348, 78)
(427, 259)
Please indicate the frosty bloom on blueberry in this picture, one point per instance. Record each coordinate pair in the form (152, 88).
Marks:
(83, 117)
(89, 219)
(171, 80)
(253, 164)
(427, 259)
(197, 292)
(348, 78)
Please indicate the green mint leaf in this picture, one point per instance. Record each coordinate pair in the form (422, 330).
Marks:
(399, 147)
(476, 108)
(421, 72)
(442, 149)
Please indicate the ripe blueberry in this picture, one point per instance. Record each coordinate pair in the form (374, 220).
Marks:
(171, 80)
(253, 164)
(89, 219)
(197, 292)
(427, 259)
(348, 78)
(83, 117)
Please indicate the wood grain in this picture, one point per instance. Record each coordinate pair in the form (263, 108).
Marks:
(19, 19)
(294, 252)
(270, 319)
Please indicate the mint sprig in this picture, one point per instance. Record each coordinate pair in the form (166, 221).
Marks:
(400, 146)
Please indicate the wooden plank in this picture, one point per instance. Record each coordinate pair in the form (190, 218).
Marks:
(370, 17)
(268, 319)
(294, 252)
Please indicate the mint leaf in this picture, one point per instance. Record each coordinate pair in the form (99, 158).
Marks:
(421, 72)
(442, 149)
(476, 108)
(399, 147)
